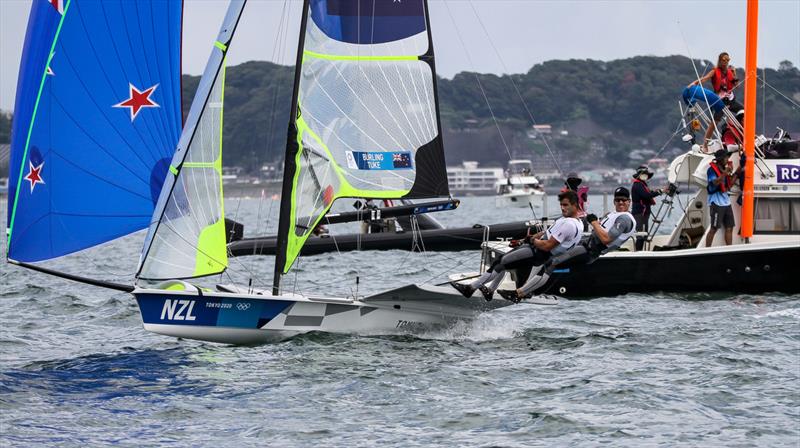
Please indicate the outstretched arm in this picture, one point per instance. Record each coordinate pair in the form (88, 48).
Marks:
(703, 79)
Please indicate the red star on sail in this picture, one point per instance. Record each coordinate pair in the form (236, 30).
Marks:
(58, 5)
(34, 176)
(138, 99)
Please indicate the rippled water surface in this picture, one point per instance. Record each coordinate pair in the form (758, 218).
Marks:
(701, 370)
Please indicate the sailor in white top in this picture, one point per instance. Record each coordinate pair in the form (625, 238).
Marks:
(607, 236)
(557, 240)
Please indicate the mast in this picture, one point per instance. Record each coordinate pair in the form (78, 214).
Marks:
(289, 165)
(749, 118)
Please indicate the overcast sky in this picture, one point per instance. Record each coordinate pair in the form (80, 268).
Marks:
(525, 32)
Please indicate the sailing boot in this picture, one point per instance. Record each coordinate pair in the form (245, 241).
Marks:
(465, 290)
(488, 294)
(509, 294)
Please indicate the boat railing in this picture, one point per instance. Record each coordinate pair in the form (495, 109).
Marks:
(485, 248)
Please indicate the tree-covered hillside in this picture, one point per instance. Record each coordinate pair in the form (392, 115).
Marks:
(608, 109)
(599, 111)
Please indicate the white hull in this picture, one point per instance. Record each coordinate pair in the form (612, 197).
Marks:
(251, 318)
(519, 199)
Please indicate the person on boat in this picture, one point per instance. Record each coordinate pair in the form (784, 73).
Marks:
(573, 183)
(320, 230)
(723, 81)
(538, 248)
(607, 235)
(720, 179)
(643, 199)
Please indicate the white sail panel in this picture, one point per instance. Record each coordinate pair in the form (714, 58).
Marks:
(190, 238)
(369, 113)
(366, 115)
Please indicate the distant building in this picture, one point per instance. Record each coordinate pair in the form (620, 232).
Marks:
(230, 174)
(540, 129)
(5, 153)
(641, 154)
(272, 170)
(469, 179)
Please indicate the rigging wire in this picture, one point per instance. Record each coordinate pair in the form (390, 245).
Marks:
(477, 79)
(680, 128)
(697, 74)
(516, 88)
(763, 100)
(779, 92)
(280, 42)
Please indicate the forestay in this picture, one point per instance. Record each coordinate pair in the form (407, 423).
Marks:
(186, 238)
(96, 121)
(366, 116)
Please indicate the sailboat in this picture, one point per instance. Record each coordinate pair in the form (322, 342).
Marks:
(364, 123)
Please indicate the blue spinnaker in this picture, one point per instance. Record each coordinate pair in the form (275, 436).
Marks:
(94, 131)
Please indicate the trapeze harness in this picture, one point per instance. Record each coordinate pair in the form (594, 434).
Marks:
(587, 251)
(595, 247)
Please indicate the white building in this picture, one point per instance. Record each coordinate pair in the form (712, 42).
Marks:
(469, 179)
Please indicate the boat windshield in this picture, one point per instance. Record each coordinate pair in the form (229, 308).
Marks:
(520, 167)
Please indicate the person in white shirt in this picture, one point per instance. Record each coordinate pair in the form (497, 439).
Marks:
(607, 236)
(563, 235)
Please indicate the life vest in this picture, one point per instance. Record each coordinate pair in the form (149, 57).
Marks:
(724, 185)
(645, 202)
(595, 247)
(723, 83)
(730, 135)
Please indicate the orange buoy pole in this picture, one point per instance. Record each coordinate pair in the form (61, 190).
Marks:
(750, 70)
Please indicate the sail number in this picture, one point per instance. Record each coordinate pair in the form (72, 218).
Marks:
(178, 310)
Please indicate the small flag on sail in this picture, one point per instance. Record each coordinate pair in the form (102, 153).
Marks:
(401, 160)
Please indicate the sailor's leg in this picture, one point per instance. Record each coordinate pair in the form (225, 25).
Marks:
(496, 282)
(499, 268)
(540, 277)
(535, 283)
(482, 279)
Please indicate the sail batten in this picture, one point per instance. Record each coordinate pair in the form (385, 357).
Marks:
(364, 120)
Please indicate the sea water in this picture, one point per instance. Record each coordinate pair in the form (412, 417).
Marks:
(78, 369)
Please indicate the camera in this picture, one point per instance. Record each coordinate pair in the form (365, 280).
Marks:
(672, 190)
